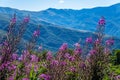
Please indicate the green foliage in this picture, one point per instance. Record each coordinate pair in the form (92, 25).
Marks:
(20, 65)
(115, 58)
(106, 77)
(118, 57)
(115, 69)
(70, 51)
(43, 55)
(71, 75)
(32, 74)
(42, 70)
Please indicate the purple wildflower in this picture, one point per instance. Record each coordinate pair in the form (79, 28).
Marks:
(82, 65)
(97, 41)
(118, 77)
(14, 56)
(92, 52)
(11, 78)
(0, 58)
(101, 21)
(63, 63)
(45, 76)
(72, 69)
(36, 67)
(25, 79)
(11, 67)
(106, 50)
(71, 58)
(26, 19)
(42, 75)
(1, 45)
(66, 55)
(109, 42)
(77, 45)
(28, 67)
(77, 51)
(4, 65)
(26, 52)
(54, 63)
(49, 55)
(13, 20)
(63, 47)
(36, 33)
(20, 58)
(24, 55)
(34, 58)
(5, 43)
(89, 40)
(40, 48)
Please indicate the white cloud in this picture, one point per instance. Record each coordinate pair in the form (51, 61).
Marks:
(61, 1)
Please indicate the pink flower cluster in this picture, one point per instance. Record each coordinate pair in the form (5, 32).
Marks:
(49, 56)
(26, 19)
(109, 42)
(101, 21)
(36, 33)
(89, 40)
(63, 47)
(45, 77)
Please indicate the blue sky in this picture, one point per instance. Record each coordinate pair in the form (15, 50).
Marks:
(37, 5)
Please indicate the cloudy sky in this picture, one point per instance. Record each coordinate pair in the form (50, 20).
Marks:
(37, 5)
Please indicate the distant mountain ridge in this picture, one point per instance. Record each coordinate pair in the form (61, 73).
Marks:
(85, 19)
(65, 25)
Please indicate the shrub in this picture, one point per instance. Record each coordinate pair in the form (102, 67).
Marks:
(66, 64)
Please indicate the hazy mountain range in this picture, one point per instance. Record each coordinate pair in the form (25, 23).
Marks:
(65, 25)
